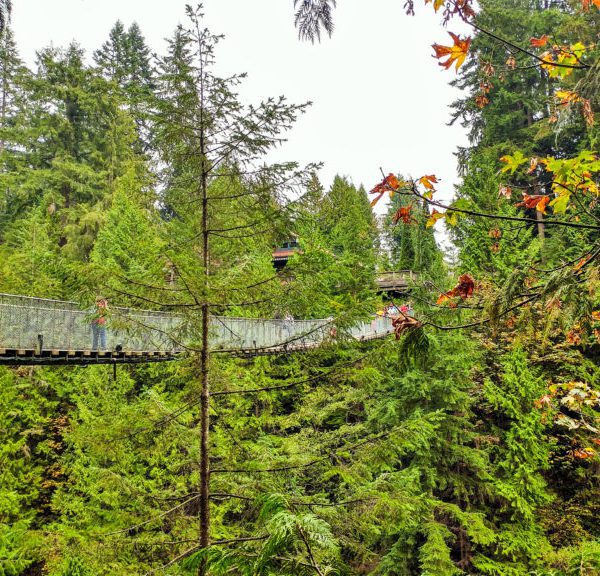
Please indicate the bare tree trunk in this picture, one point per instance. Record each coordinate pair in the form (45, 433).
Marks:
(205, 392)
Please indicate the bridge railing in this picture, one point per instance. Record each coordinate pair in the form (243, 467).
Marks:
(27, 323)
(63, 325)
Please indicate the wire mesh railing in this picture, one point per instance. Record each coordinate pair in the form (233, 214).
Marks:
(39, 323)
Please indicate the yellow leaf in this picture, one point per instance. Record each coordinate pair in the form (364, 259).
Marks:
(433, 218)
(457, 53)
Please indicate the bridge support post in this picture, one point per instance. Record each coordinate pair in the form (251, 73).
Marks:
(40, 347)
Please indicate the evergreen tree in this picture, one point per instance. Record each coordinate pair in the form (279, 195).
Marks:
(13, 103)
(111, 58)
(125, 60)
(335, 271)
(412, 246)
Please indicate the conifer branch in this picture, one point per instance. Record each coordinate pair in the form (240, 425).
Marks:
(161, 515)
(175, 560)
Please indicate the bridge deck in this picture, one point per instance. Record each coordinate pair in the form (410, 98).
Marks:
(43, 331)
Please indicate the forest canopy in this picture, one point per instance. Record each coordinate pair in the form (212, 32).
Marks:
(466, 442)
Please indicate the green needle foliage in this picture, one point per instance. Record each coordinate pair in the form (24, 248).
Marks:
(444, 453)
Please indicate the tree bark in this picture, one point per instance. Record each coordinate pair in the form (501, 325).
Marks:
(204, 352)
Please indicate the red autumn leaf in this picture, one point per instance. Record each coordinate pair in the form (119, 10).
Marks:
(495, 233)
(540, 42)
(554, 304)
(505, 191)
(456, 53)
(403, 214)
(537, 201)
(392, 181)
(403, 323)
(464, 289)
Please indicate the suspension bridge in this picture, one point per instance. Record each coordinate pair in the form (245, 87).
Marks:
(46, 331)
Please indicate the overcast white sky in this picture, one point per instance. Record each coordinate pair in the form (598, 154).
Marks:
(379, 98)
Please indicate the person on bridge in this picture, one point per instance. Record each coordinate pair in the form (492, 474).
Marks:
(99, 324)
(288, 324)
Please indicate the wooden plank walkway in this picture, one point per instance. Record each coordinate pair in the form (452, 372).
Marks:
(28, 356)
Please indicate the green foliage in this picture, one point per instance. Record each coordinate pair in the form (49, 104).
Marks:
(440, 454)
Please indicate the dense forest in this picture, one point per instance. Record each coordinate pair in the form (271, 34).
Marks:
(468, 444)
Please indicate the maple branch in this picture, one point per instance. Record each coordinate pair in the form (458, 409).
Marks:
(501, 217)
(524, 50)
(467, 20)
(485, 320)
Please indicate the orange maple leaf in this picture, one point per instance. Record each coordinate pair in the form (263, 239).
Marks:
(433, 218)
(457, 53)
(537, 201)
(540, 42)
(428, 181)
(389, 184)
(403, 214)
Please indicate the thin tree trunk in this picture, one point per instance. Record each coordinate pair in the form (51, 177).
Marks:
(204, 353)
(205, 394)
(4, 92)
